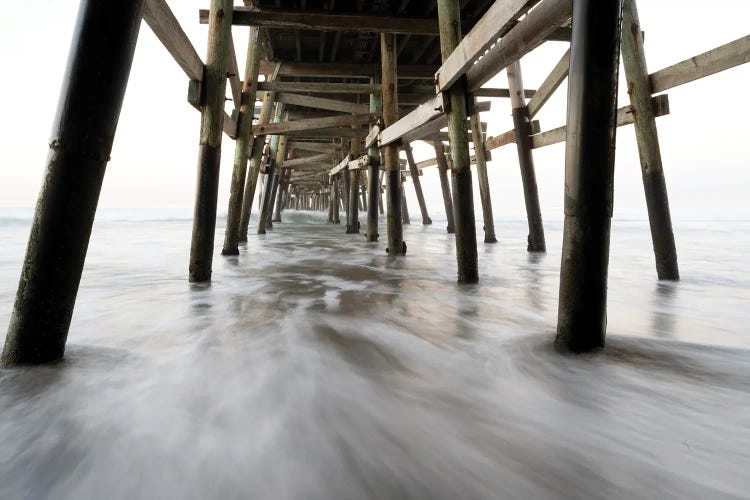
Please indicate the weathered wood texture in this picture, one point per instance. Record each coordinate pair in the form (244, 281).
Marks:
(483, 179)
(388, 57)
(463, 197)
(495, 23)
(528, 34)
(716, 60)
(212, 117)
(167, 29)
(278, 19)
(98, 66)
(423, 114)
(551, 83)
(243, 143)
(315, 124)
(322, 103)
(647, 137)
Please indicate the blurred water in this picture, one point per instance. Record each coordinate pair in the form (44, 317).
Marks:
(314, 367)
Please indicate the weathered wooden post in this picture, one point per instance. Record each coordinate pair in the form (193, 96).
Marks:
(331, 200)
(417, 183)
(279, 205)
(652, 171)
(260, 147)
(405, 219)
(442, 164)
(352, 214)
(480, 154)
(589, 173)
(243, 142)
(278, 174)
(336, 199)
(209, 156)
(449, 16)
(345, 191)
(522, 126)
(388, 58)
(363, 190)
(92, 93)
(271, 158)
(381, 210)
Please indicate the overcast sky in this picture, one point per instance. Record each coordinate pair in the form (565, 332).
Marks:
(705, 143)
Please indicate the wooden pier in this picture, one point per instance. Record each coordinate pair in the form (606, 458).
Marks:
(324, 113)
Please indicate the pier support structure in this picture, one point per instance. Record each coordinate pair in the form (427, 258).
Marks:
(373, 173)
(480, 154)
(352, 214)
(442, 164)
(449, 20)
(396, 245)
(260, 147)
(88, 110)
(417, 184)
(589, 173)
(243, 143)
(522, 126)
(209, 156)
(652, 171)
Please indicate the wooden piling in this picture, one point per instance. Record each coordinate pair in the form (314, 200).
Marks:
(331, 200)
(589, 173)
(417, 184)
(256, 157)
(352, 214)
(278, 174)
(480, 154)
(405, 219)
(209, 156)
(336, 199)
(442, 164)
(449, 20)
(388, 58)
(647, 137)
(522, 126)
(279, 205)
(97, 73)
(243, 142)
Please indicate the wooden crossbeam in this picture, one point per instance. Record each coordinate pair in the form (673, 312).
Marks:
(322, 103)
(493, 24)
(347, 70)
(527, 35)
(283, 128)
(342, 165)
(423, 114)
(278, 19)
(489, 92)
(437, 125)
(550, 84)
(314, 146)
(624, 117)
(167, 29)
(716, 60)
(306, 160)
(320, 88)
(329, 133)
(508, 137)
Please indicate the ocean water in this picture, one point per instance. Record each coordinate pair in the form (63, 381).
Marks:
(314, 367)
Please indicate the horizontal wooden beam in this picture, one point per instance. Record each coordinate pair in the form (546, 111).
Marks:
(527, 35)
(716, 60)
(347, 70)
(493, 25)
(502, 93)
(307, 159)
(322, 103)
(508, 137)
(423, 114)
(624, 117)
(342, 165)
(279, 19)
(283, 128)
(313, 146)
(320, 88)
(330, 133)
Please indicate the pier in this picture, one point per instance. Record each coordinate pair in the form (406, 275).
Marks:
(324, 114)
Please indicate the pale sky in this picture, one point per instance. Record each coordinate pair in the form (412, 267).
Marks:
(704, 141)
